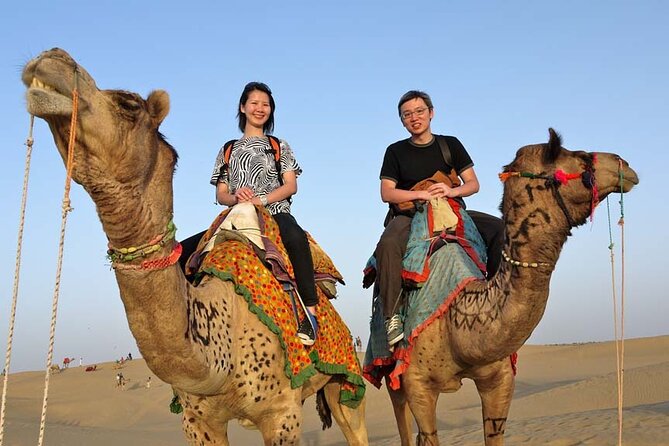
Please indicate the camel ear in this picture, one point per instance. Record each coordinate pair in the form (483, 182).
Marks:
(158, 103)
(554, 146)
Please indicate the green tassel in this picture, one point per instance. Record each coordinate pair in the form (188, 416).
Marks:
(175, 405)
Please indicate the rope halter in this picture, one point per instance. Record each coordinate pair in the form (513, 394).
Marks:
(561, 178)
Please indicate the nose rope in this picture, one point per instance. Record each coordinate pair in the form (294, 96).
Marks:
(66, 207)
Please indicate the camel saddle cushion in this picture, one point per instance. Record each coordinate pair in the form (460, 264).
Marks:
(263, 285)
(436, 269)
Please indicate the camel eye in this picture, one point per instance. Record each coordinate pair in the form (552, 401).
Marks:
(129, 104)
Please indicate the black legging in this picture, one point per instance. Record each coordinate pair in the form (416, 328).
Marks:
(491, 229)
(297, 247)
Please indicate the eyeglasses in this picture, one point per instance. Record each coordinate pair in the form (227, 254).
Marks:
(418, 112)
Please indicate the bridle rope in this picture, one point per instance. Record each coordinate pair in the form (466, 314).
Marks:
(17, 270)
(65, 209)
(619, 337)
(561, 178)
(553, 182)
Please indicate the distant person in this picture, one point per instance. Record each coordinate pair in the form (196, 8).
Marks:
(148, 382)
(129, 357)
(406, 163)
(81, 361)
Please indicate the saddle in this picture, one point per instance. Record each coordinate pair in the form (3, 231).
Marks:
(264, 278)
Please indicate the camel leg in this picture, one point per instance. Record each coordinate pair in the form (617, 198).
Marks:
(495, 384)
(199, 433)
(282, 427)
(423, 404)
(402, 414)
(351, 421)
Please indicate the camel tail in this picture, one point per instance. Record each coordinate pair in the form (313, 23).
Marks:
(323, 409)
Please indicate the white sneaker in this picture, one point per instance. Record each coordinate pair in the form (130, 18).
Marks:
(394, 329)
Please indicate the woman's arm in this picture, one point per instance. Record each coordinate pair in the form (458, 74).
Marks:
(223, 196)
(286, 190)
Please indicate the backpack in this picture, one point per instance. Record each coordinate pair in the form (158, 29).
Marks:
(275, 150)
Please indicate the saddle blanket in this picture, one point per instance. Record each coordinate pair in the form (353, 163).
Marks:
(234, 258)
(436, 268)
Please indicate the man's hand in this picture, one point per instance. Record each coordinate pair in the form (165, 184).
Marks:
(442, 190)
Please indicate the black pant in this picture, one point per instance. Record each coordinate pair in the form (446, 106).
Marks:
(188, 247)
(491, 229)
(391, 248)
(297, 247)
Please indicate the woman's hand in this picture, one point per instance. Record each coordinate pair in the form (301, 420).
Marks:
(244, 194)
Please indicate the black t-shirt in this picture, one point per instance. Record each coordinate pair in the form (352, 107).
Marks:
(407, 163)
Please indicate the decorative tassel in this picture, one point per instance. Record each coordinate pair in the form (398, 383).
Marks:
(506, 175)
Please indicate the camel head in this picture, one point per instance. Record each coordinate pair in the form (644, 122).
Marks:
(562, 186)
(119, 153)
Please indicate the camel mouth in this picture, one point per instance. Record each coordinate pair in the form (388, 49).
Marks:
(629, 183)
(44, 100)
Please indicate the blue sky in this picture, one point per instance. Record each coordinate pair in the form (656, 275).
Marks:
(499, 73)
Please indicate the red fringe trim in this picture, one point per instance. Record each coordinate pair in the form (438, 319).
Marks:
(403, 354)
(378, 362)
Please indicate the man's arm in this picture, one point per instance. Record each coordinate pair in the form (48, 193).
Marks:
(390, 193)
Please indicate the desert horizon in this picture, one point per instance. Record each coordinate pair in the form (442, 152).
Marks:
(565, 395)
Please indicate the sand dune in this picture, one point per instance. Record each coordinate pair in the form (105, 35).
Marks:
(565, 396)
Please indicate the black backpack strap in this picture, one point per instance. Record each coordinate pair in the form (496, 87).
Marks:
(445, 151)
(453, 175)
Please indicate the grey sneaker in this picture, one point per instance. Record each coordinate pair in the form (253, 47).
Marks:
(308, 330)
(394, 329)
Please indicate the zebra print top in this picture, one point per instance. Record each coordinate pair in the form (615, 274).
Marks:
(252, 165)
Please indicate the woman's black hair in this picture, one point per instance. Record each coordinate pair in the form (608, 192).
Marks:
(268, 128)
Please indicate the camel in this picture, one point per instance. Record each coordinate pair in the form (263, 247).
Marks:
(221, 360)
(489, 321)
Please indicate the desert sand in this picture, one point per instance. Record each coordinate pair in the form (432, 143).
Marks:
(565, 395)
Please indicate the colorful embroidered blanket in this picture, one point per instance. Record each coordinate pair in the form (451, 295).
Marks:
(439, 276)
(235, 260)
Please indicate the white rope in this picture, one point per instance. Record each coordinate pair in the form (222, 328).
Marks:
(17, 269)
(621, 369)
(619, 325)
(54, 308)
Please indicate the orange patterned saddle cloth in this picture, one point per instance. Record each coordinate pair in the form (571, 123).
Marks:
(261, 277)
